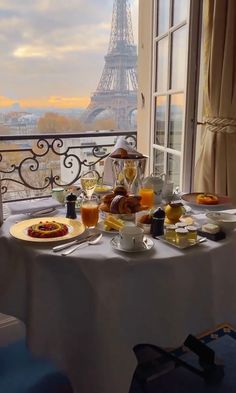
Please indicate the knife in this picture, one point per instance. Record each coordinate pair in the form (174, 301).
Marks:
(77, 241)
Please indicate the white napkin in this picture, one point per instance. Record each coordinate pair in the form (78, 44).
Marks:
(121, 143)
(200, 219)
(31, 206)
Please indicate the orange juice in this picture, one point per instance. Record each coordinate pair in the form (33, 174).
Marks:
(147, 195)
(89, 214)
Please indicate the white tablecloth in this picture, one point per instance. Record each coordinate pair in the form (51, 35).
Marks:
(87, 311)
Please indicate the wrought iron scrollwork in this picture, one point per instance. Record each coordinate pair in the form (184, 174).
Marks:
(39, 167)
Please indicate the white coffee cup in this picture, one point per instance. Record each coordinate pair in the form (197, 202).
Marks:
(131, 237)
(59, 194)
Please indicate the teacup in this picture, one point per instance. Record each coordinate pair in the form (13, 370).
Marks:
(131, 237)
(59, 194)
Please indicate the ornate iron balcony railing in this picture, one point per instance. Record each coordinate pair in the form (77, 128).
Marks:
(31, 165)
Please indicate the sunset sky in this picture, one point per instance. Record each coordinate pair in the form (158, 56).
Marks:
(52, 51)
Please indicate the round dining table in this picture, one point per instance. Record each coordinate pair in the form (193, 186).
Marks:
(88, 310)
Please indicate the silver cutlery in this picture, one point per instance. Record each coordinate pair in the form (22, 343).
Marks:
(42, 212)
(202, 240)
(73, 242)
(84, 244)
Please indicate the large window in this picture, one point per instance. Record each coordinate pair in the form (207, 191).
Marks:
(172, 58)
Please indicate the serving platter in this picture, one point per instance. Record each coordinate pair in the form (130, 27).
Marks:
(200, 240)
(191, 200)
(19, 230)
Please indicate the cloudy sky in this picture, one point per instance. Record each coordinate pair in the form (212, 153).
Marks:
(52, 51)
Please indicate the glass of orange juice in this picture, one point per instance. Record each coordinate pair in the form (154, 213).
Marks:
(147, 195)
(89, 211)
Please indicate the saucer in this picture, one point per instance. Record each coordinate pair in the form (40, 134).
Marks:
(115, 243)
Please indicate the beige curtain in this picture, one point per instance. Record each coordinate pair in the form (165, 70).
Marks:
(216, 167)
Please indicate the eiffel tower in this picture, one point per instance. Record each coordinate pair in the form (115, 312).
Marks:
(117, 88)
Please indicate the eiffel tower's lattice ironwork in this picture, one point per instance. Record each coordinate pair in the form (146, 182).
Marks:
(117, 88)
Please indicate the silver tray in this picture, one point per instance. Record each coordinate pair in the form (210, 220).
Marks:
(200, 240)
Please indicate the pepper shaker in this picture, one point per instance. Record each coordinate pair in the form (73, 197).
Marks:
(157, 226)
(70, 206)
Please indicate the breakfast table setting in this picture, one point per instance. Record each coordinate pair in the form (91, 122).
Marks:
(92, 281)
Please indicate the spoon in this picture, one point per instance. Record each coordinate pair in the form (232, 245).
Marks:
(89, 242)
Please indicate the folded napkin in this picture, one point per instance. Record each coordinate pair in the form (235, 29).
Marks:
(31, 206)
(121, 143)
(200, 219)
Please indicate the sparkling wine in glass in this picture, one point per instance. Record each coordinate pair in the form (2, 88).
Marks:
(88, 182)
(130, 173)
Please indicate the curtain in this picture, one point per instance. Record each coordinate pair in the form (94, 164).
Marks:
(215, 170)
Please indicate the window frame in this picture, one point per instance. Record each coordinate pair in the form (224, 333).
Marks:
(146, 98)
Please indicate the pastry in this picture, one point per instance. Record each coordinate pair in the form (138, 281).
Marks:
(120, 204)
(120, 190)
(145, 219)
(117, 204)
(47, 229)
(207, 199)
(108, 198)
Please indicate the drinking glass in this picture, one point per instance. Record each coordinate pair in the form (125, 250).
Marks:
(89, 211)
(147, 195)
(88, 182)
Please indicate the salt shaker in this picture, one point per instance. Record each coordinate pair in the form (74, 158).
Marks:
(157, 226)
(70, 206)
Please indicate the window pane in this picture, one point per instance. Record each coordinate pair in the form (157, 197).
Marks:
(178, 64)
(160, 113)
(176, 121)
(162, 64)
(163, 16)
(158, 161)
(180, 11)
(173, 169)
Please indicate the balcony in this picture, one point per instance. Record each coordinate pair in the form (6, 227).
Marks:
(31, 165)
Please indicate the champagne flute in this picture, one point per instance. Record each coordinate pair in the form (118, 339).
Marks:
(88, 182)
(130, 173)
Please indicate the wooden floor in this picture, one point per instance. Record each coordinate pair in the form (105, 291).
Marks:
(10, 329)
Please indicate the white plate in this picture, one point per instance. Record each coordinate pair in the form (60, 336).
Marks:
(20, 229)
(103, 190)
(200, 240)
(115, 243)
(190, 199)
